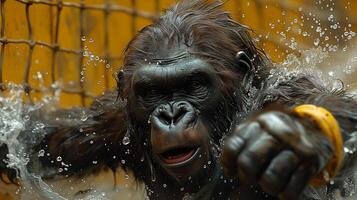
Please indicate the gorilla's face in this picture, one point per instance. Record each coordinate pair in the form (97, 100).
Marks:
(177, 101)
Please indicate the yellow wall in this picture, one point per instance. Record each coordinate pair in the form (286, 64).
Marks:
(267, 18)
(259, 16)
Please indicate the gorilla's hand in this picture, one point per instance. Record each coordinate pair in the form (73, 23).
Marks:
(278, 151)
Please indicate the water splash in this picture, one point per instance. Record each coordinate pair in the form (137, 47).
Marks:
(20, 132)
(13, 122)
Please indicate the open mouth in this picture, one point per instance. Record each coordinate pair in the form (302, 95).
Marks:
(178, 155)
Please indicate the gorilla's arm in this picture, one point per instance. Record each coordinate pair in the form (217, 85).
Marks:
(93, 143)
(78, 140)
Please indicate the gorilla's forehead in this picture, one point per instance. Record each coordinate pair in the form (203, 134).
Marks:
(182, 68)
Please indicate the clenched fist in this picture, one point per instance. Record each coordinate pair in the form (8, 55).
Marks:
(278, 151)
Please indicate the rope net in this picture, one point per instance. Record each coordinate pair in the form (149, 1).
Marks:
(76, 45)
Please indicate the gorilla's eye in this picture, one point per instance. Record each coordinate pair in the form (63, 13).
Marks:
(196, 85)
(149, 94)
(197, 88)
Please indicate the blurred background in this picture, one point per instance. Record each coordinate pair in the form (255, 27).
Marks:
(75, 46)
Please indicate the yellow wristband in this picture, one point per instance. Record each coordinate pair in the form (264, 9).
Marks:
(324, 120)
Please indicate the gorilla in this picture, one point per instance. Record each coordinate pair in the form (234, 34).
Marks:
(197, 115)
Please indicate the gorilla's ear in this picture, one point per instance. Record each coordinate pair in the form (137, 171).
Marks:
(244, 61)
(119, 77)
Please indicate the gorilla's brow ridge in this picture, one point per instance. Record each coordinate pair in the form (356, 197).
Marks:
(171, 59)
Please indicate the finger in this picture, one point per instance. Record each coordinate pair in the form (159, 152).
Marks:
(283, 127)
(277, 174)
(255, 158)
(277, 123)
(242, 136)
(231, 148)
(234, 144)
(249, 133)
(298, 182)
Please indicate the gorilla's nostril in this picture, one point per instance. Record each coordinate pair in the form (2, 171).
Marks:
(179, 115)
(172, 118)
(174, 114)
(165, 118)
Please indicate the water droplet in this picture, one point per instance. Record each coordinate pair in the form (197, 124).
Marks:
(153, 175)
(318, 29)
(59, 158)
(85, 53)
(41, 153)
(317, 42)
(27, 117)
(326, 176)
(335, 26)
(330, 18)
(126, 138)
(84, 116)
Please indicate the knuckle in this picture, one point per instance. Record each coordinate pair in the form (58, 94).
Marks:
(274, 118)
(249, 130)
(267, 116)
(232, 146)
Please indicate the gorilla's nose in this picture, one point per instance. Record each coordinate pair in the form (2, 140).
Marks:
(174, 114)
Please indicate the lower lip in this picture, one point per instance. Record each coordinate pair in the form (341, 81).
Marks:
(180, 160)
